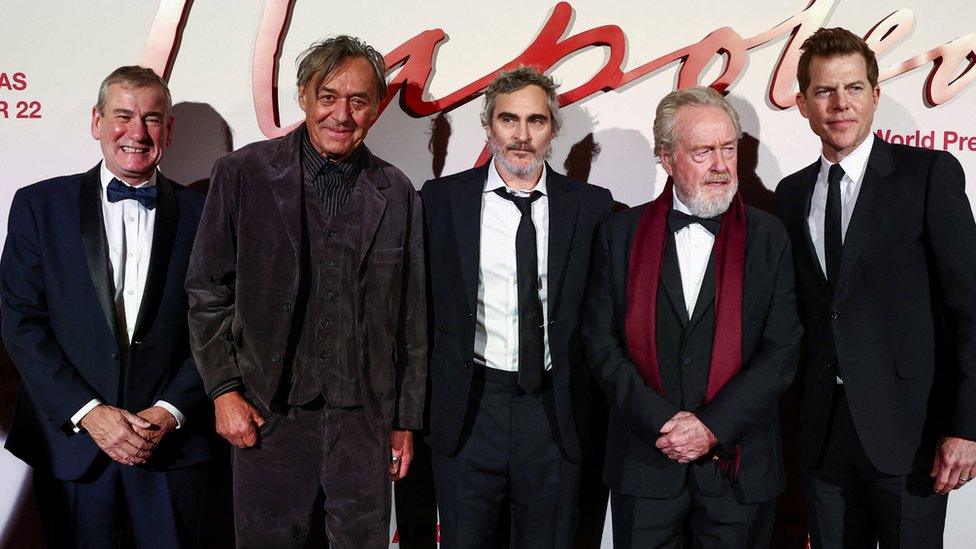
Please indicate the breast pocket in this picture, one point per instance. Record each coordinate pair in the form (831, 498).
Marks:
(388, 255)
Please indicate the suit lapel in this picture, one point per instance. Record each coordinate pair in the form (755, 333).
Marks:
(867, 210)
(164, 234)
(466, 197)
(374, 203)
(562, 225)
(801, 209)
(286, 184)
(706, 295)
(671, 280)
(95, 244)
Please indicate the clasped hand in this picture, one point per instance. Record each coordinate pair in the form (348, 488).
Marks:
(684, 438)
(127, 438)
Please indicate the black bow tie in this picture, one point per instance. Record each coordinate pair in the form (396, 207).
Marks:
(120, 191)
(679, 220)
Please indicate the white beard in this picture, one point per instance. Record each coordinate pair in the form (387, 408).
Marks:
(708, 205)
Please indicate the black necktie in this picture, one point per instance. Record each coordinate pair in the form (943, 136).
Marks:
(120, 191)
(833, 245)
(531, 334)
(679, 220)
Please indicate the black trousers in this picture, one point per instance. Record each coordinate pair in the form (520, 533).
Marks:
(163, 509)
(510, 451)
(310, 457)
(707, 521)
(850, 503)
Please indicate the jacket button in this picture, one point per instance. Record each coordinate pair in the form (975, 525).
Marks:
(286, 307)
(115, 356)
(276, 358)
(325, 323)
(330, 263)
(331, 234)
(329, 294)
(325, 355)
(686, 361)
(830, 365)
(467, 364)
(136, 342)
(835, 314)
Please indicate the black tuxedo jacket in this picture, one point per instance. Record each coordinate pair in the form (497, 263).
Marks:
(743, 413)
(903, 315)
(452, 208)
(59, 324)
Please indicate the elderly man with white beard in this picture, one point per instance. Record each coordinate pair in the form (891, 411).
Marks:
(509, 262)
(691, 329)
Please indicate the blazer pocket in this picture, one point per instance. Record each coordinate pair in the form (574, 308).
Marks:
(388, 255)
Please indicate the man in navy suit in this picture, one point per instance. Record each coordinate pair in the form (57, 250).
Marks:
(112, 414)
(885, 250)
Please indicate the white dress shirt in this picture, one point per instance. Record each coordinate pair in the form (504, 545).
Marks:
(854, 165)
(129, 233)
(693, 245)
(496, 334)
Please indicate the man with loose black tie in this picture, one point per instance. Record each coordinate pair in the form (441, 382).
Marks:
(885, 252)
(112, 414)
(509, 260)
(691, 330)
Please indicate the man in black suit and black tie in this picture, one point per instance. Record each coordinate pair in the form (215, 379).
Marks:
(691, 329)
(885, 254)
(509, 260)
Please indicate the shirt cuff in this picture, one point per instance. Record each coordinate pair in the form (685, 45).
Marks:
(80, 414)
(180, 418)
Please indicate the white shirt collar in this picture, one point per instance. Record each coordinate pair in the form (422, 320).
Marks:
(106, 177)
(495, 181)
(677, 204)
(854, 164)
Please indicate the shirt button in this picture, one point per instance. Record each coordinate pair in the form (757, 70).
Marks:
(515, 320)
(835, 314)
(130, 255)
(131, 219)
(129, 292)
(515, 361)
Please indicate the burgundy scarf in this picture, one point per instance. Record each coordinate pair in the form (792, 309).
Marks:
(643, 277)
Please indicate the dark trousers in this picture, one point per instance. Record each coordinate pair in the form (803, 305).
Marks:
(307, 457)
(708, 521)
(852, 504)
(163, 509)
(510, 451)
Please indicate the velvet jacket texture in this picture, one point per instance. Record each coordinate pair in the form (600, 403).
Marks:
(246, 269)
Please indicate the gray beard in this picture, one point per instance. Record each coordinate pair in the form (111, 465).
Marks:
(519, 170)
(703, 206)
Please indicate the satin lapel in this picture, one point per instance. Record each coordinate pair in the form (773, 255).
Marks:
(867, 210)
(671, 280)
(562, 226)
(706, 294)
(286, 184)
(95, 244)
(164, 234)
(466, 197)
(374, 204)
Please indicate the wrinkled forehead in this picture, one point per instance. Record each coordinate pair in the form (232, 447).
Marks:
(703, 125)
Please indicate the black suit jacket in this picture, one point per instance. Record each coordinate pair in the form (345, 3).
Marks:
(246, 270)
(59, 324)
(743, 413)
(452, 207)
(903, 317)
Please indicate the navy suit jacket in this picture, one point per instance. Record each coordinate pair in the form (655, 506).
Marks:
(59, 324)
(452, 208)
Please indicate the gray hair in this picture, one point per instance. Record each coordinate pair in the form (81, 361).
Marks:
(513, 81)
(133, 76)
(321, 59)
(665, 118)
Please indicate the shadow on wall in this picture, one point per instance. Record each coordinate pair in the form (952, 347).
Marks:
(200, 136)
